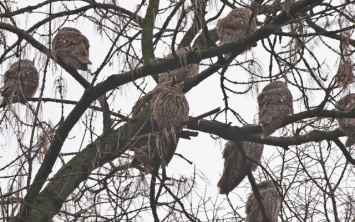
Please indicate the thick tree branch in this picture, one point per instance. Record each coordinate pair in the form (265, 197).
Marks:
(251, 133)
(112, 145)
(112, 82)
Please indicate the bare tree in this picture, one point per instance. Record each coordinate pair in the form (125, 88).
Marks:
(64, 145)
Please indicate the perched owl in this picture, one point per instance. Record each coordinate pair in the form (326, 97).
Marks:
(72, 48)
(169, 107)
(181, 74)
(347, 125)
(168, 110)
(344, 75)
(271, 201)
(234, 171)
(20, 82)
(275, 103)
(237, 24)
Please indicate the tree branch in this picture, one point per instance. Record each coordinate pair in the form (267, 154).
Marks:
(147, 31)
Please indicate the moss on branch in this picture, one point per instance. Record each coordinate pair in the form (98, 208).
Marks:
(147, 31)
(104, 149)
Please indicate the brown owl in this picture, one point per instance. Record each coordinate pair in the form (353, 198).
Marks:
(169, 107)
(344, 75)
(275, 103)
(237, 24)
(72, 48)
(234, 171)
(182, 74)
(20, 82)
(271, 201)
(347, 125)
(168, 110)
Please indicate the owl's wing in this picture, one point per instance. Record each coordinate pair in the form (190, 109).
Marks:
(166, 144)
(274, 105)
(234, 171)
(9, 89)
(254, 151)
(346, 123)
(72, 44)
(227, 32)
(22, 81)
(252, 210)
(277, 96)
(143, 102)
(12, 73)
(82, 49)
(344, 75)
(347, 103)
(272, 202)
(347, 126)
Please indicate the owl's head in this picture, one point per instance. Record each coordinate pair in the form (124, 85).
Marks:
(274, 85)
(23, 63)
(267, 184)
(68, 29)
(171, 85)
(241, 12)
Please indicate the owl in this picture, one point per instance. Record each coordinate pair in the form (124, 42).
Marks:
(275, 104)
(236, 25)
(20, 82)
(234, 171)
(347, 125)
(271, 200)
(169, 107)
(344, 75)
(72, 48)
(168, 110)
(181, 74)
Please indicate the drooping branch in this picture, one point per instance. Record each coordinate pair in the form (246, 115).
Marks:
(106, 148)
(113, 144)
(330, 34)
(113, 81)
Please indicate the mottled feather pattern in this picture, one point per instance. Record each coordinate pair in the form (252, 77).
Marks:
(271, 200)
(235, 26)
(234, 171)
(347, 125)
(344, 75)
(183, 73)
(168, 110)
(71, 47)
(142, 103)
(20, 82)
(275, 104)
(169, 107)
